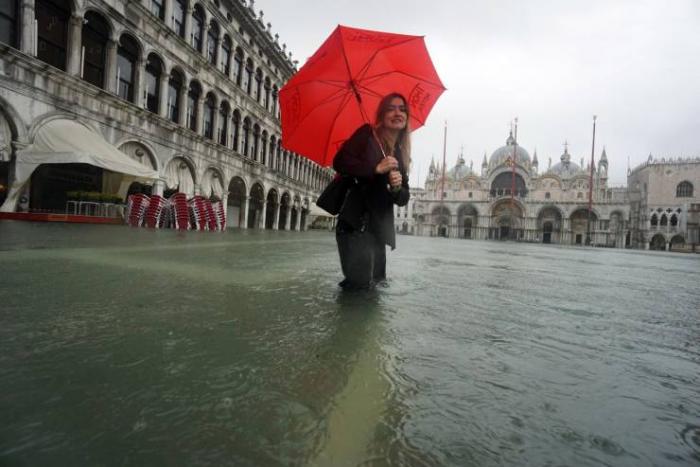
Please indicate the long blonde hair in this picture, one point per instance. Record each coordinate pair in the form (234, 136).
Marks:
(404, 138)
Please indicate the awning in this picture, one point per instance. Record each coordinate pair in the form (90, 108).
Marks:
(64, 141)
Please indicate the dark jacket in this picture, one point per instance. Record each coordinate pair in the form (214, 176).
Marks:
(369, 201)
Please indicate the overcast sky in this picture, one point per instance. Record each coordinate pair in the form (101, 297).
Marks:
(553, 64)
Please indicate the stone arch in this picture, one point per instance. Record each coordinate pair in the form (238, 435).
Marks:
(657, 242)
(285, 209)
(578, 221)
(181, 175)
(212, 185)
(501, 184)
(140, 151)
(507, 219)
(677, 243)
(272, 201)
(549, 223)
(467, 220)
(256, 200)
(237, 194)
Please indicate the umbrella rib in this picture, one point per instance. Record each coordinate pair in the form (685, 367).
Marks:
(369, 79)
(331, 98)
(376, 52)
(343, 102)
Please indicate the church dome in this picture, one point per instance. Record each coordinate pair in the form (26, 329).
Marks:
(502, 154)
(460, 170)
(565, 168)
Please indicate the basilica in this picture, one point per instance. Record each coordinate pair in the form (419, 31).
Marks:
(512, 198)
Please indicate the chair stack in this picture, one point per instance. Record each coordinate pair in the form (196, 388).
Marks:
(154, 211)
(179, 211)
(198, 215)
(136, 208)
(220, 214)
(212, 223)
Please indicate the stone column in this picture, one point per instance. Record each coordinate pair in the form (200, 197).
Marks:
(163, 95)
(288, 219)
(158, 187)
(110, 79)
(200, 111)
(182, 118)
(261, 224)
(215, 125)
(28, 39)
(188, 22)
(244, 208)
(275, 224)
(169, 14)
(297, 227)
(75, 40)
(138, 85)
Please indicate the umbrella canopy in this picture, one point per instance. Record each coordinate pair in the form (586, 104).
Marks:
(339, 87)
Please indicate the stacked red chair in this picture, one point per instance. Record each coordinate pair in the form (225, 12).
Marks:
(212, 223)
(179, 212)
(136, 208)
(220, 214)
(198, 214)
(154, 211)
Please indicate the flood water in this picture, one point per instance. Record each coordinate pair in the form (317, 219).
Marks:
(123, 346)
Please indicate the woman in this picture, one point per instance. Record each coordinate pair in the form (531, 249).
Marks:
(380, 180)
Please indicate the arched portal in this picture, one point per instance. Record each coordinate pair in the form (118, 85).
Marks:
(507, 221)
(296, 213)
(441, 221)
(255, 206)
(272, 203)
(284, 211)
(580, 226)
(549, 224)
(236, 202)
(658, 242)
(467, 218)
(677, 243)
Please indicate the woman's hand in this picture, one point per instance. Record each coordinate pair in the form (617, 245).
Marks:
(395, 179)
(386, 165)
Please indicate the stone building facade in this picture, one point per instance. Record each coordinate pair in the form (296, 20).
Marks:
(665, 203)
(546, 207)
(186, 87)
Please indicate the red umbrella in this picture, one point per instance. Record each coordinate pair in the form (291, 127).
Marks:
(339, 87)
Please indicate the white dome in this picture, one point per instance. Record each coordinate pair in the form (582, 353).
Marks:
(504, 153)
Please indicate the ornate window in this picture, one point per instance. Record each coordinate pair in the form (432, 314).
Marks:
(684, 190)
(236, 130)
(179, 12)
(154, 73)
(192, 101)
(248, 76)
(212, 43)
(674, 220)
(95, 37)
(197, 28)
(246, 137)
(158, 8)
(654, 220)
(258, 84)
(238, 66)
(664, 220)
(226, 55)
(547, 195)
(174, 88)
(224, 111)
(209, 106)
(256, 142)
(266, 96)
(9, 22)
(127, 55)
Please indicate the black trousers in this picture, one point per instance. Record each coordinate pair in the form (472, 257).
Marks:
(362, 256)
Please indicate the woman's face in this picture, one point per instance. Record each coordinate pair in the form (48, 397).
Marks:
(395, 115)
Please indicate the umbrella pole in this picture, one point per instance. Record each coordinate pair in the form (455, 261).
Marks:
(366, 117)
